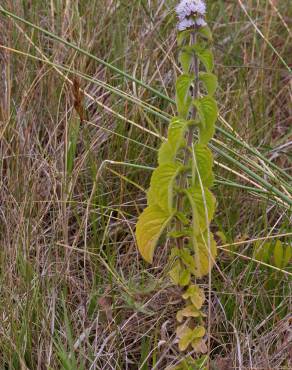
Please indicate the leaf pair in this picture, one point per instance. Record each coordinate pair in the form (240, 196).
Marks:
(193, 337)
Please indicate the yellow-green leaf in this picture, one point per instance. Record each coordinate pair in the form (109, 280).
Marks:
(262, 251)
(180, 275)
(206, 32)
(210, 81)
(176, 132)
(207, 109)
(205, 253)
(208, 112)
(196, 295)
(187, 336)
(203, 205)
(183, 98)
(189, 311)
(185, 59)
(287, 255)
(149, 228)
(203, 165)
(161, 186)
(205, 56)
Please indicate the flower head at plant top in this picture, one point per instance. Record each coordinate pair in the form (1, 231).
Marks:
(190, 14)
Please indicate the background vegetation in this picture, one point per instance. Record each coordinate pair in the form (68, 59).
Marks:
(75, 165)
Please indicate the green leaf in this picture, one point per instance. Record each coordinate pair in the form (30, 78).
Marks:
(205, 253)
(287, 256)
(188, 260)
(183, 98)
(278, 254)
(262, 251)
(149, 228)
(203, 207)
(166, 153)
(182, 36)
(204, 165)
(161, 185)
(179, 275)
(206, 32)
(205, 56)
(196, 295)
(185, 278)
(176, 133)
(210, 81)
(185, 59)
(208, 112)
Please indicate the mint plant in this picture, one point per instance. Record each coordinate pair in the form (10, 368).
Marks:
(179, 200)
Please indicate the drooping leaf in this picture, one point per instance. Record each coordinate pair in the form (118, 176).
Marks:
(210, 81)
(183, 98)
(185, 59)
(196, 295)
(205, 55)
(149, 228)
(180, 275)
(188, 260)
(176, 132)
(208, 112)
(161, 185)
(206, 32)
(185, 277)
(207, 109)
(166, 153)
(204, 165)
(205, 253)
(203, 205)
(189, 311)
(183, 36)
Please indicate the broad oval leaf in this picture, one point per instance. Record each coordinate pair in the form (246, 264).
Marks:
(210, 81)
(203, 205)
(179, 275)
(176, 133)
(151, 224)
(161, 185)
(196, 295)
(208, 112)
(206, 32)
(205, 56)
(205, 253)
(204, 164)
(185, 59)
(183, 98)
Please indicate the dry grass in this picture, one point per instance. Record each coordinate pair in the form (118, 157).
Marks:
(74, 292)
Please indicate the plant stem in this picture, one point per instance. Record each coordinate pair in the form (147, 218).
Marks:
(189, 139)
